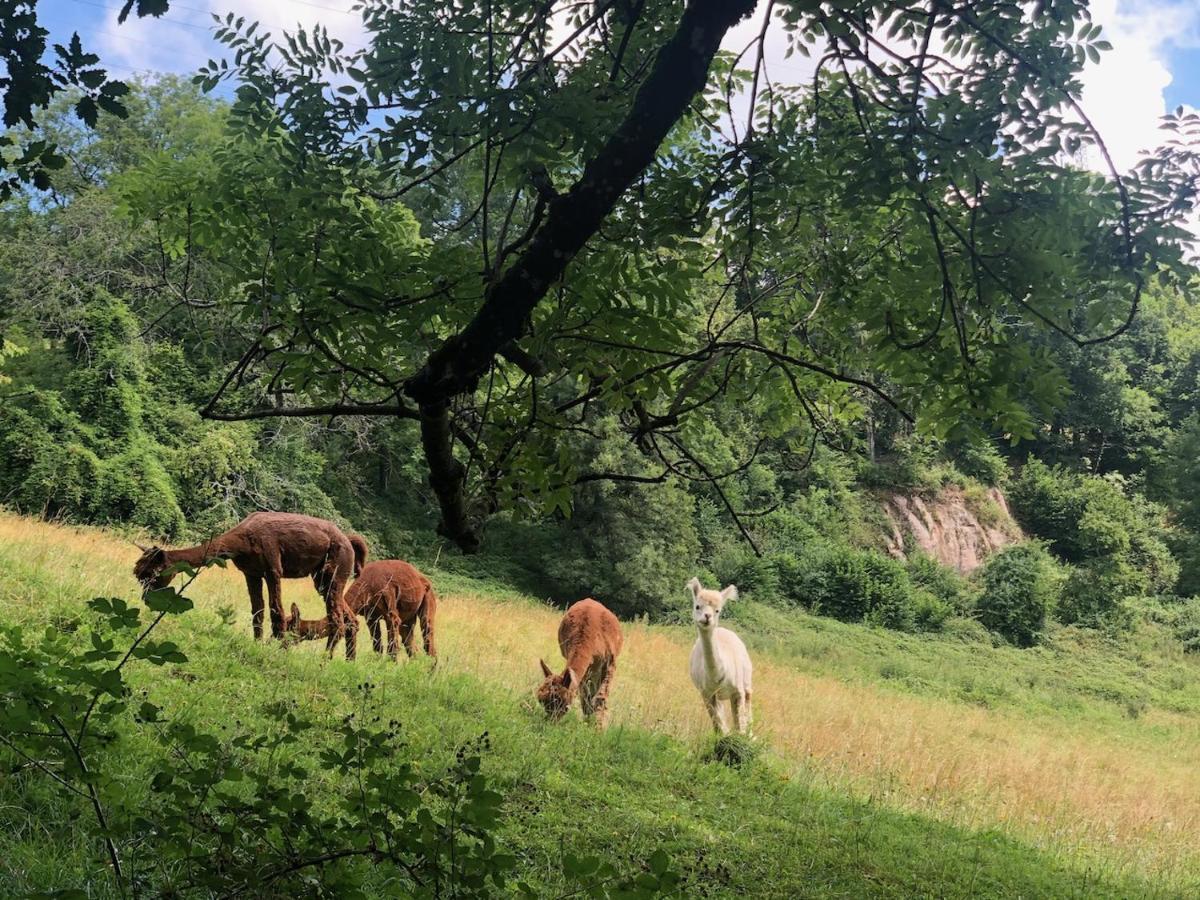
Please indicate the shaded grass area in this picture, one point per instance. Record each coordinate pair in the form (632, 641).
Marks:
(782, 827)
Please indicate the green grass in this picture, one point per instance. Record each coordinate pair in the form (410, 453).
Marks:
(768, 830)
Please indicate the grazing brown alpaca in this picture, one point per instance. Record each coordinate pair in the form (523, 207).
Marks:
(388, 590)
(271, 546)
(589, 637)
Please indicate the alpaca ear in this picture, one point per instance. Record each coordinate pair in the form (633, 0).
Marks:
(295, 613)
(545, 668)
(730, 593)
(694, 587)
(141, 547)
(571, 680)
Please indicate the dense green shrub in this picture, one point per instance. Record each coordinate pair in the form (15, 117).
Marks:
(632, 546)
(1187, 624)
(982, 461)
(929, 611)
(1020, 584)
(756, 577)
(952, 590)
(134, 487)
(1118, 541)
(1097, 594)
(858, 585)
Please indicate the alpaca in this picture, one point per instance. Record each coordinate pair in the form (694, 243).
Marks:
(388, 590)
(720, 665)
(589, 637)
(271, 546)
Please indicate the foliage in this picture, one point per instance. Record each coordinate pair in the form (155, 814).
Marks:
(218, 822)
(981, 461)
(953, 591)
(1187, 625)
(30, 82)
(1117, 540)
(1020, 584)
(865, 586)
(546, 291)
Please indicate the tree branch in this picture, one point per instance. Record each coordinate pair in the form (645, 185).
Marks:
(678, 74)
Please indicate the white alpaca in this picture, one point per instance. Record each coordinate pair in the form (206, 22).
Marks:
(720, 665)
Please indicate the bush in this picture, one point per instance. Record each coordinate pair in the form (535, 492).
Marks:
(631, 546)
(1117, 541)
(737, 751)
(1096, 592)
(862, 586)
(1019, 588)
(930, 612)
(981, 461)
(135, 488)
(756, 577)
(946, 585)
(1187, 625)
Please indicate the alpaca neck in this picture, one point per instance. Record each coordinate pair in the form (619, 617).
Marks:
(712, 662)
(198, 555)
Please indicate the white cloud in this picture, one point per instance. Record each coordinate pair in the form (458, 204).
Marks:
(1124, 93)
(182, 40)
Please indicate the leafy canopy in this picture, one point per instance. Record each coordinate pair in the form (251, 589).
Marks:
(618, 220)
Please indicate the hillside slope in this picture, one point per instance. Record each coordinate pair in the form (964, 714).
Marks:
(887, 774)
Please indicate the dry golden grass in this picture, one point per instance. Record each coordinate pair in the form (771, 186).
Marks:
(1047, 781)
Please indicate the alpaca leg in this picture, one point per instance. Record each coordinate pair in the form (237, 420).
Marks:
(587, 696)
(336, 622)
(408, 630)
(399, 632)
(600, 701)
(373, 625)
(716, 711)
(426, 614)
(340, 614)
(254, 586)
(741, 712)
(350, 621)
(275, 594)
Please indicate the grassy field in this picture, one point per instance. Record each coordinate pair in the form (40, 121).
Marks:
(893, 765)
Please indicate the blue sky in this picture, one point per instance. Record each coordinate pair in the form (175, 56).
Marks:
(1154, 67)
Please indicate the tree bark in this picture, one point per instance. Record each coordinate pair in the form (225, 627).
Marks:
(455, 368)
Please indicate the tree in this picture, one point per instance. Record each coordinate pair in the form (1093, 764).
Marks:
(31, 82)
(637, 223)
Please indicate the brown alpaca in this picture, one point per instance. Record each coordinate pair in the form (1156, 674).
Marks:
(388, 590)
(589, 637)
(271, 546)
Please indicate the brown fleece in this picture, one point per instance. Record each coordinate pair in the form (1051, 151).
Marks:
(589, 637)
(271, 546)
(391, 591)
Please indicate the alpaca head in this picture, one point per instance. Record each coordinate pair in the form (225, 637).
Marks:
(557, 691)
(707, 604)
(148, 570)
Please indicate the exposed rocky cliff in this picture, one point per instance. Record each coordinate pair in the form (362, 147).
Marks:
(955, 528)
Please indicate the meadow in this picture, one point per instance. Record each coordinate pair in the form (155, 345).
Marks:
(892, 765)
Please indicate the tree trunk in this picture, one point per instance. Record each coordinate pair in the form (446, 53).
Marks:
(455, 368)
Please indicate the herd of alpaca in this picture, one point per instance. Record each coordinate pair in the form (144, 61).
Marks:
(270, 546)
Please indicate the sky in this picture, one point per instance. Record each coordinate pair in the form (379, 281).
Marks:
(1154, 65)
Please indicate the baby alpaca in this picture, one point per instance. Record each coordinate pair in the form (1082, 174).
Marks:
(589, 637)
(387, 591)
(720, 665)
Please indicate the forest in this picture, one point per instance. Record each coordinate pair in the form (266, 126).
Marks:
(570, 300)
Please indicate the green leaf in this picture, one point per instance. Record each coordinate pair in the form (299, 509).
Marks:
(167, 600)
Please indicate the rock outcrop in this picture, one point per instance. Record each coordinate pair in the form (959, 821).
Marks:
(950, 527)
